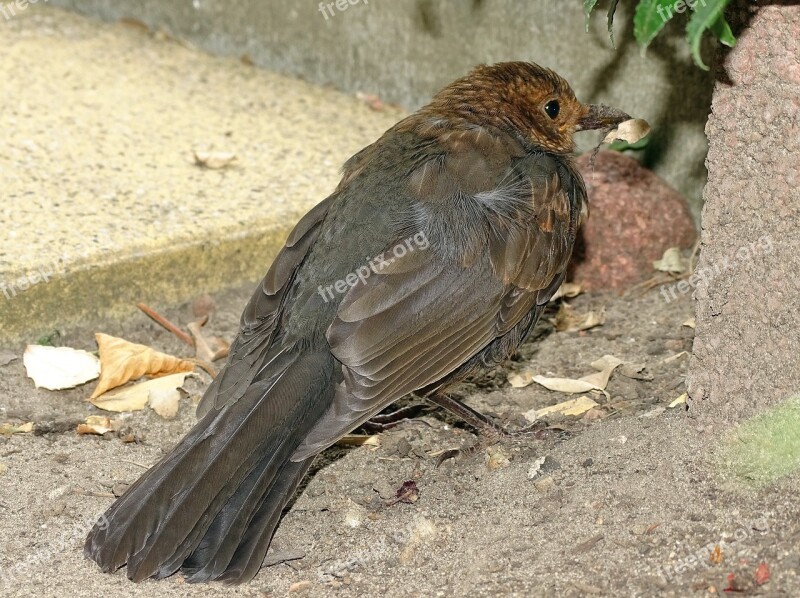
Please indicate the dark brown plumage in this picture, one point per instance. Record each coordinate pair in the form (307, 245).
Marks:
(480, 189)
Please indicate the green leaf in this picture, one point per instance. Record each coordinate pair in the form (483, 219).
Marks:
(650, 17)
(588, 7)
(706, 14)
(48, 340)
(722, 30)
(611, 10)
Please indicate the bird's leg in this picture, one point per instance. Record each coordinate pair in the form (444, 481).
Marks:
(386, 421)
(483, 423)
(488, 427)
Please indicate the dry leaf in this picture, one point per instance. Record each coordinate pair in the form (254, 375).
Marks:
(568, 320)
(681, 400)
(520, 380)
(136, 397)
(57, 368)
(3, 468)
(636, 371)
(630, 131)
(591, 382)
(359, 440)
(122, 361)
(165, 401)
(690, 323)
(762, 574)
(604, 366)
(407, 493)
(567, 289)
(26, 428)
(207, 348)
(675, 357)
(572, 407)
(567, 385)
(213, 160)
(96, 424)
(672, 261)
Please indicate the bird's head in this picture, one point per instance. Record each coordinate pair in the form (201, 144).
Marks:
(527, 100)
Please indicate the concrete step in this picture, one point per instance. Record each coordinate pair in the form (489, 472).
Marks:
(103, 203)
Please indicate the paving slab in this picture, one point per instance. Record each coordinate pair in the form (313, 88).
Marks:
(103, 202)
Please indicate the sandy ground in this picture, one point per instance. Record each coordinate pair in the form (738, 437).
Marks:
(633, 503)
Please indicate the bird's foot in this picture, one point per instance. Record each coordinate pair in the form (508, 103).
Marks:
(489, 429)
(387, 421)
(486, 426)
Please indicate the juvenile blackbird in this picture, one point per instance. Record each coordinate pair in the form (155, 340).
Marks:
(432, 259)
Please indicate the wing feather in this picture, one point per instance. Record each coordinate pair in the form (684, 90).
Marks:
(251, 351)
(416, 322)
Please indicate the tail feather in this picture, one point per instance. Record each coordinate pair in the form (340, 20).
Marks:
(235, 545)
(253, 547)
(215, 549)
(207, 492)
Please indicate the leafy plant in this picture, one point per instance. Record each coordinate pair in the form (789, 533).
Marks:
(651, 16)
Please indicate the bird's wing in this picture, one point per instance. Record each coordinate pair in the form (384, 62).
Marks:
(423, 315)
(250, 351)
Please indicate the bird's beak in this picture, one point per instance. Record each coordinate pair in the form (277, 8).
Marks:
(601, 117)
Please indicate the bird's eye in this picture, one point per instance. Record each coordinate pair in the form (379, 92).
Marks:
(552, 109)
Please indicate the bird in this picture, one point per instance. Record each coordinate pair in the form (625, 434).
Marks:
(431, 260)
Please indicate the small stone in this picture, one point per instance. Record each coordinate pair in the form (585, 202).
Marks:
(300, 586)
(594, 413)
(545, 484)
(384, 489)
(203, 306)
(396, 445)
(119, 489)
(315, 490)
(496, 459)
(536, 467)
(550, 464)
